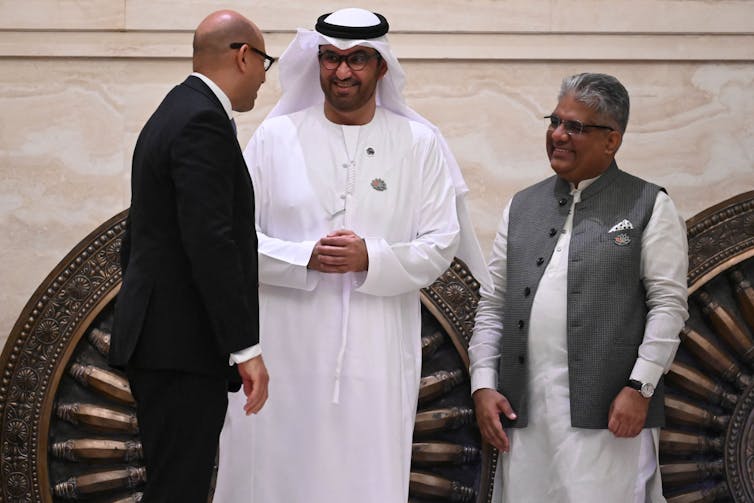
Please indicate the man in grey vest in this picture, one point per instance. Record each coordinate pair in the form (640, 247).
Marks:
(570, 346)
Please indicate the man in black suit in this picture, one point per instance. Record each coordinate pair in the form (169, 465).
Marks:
(188, 307)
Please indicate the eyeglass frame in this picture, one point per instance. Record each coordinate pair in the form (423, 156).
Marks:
(572, 127)
(268, 60)
(344, 57)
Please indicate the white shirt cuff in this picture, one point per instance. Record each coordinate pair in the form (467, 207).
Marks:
(646, 371)
(483, 378)
(245, 354)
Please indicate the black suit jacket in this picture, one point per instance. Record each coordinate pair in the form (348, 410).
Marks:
(189, 253)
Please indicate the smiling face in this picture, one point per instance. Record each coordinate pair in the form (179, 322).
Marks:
(582, 156)
(350, 94)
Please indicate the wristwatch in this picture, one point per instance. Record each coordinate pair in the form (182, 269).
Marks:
(647, 389)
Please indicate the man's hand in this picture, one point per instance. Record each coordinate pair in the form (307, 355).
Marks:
(255, 379)
(340, 251)
(628, 412)
(489, 405)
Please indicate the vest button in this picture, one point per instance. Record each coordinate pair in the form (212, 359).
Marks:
(521, 359)
(527, 291)
(563, 201)
(540, 261)
(553, 232)
(520, 323)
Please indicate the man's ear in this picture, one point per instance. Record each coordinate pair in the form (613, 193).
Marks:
(614, 141)
(382, 70)
(240, 57)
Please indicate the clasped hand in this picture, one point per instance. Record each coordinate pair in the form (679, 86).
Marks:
(340, 251)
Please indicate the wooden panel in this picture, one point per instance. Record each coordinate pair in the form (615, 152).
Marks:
(492, 16)
(62, 15)
(495, 16)
(407, 46)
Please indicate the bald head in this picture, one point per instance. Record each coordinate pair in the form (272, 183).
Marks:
(216, 32)
(229, 50)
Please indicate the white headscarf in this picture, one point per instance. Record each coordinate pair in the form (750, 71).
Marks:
(299, 81)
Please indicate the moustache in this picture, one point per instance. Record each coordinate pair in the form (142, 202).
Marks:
(348, 81)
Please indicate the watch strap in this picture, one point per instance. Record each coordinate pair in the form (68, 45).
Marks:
(633, 383)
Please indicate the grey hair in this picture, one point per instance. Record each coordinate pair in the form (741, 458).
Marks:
(600, 92)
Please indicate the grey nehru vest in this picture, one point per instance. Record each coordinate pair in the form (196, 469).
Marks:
(606, 298)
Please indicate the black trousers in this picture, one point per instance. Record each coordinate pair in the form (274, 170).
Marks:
(180, 417)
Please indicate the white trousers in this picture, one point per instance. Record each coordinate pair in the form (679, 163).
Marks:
(581, 471)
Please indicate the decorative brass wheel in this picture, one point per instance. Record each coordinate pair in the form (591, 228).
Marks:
(707, 446)
(449, 462)
(68, 425)
(68, 428)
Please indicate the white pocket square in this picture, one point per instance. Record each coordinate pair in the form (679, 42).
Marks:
(621, 226)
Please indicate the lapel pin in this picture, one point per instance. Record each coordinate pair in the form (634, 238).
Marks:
(622, 239)
(378, 184)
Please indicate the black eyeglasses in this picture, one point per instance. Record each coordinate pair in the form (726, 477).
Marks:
(268, 60)
(571, 127)
(355, 60)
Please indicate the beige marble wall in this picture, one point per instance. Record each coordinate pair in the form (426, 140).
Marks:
(78, 80)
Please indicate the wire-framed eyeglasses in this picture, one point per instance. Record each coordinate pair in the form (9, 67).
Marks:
(355, 60)
(268, 60)
(572, 127)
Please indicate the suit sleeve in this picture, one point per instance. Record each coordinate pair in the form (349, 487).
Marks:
(205, 162)
(486, 341)
(664, 266)
(125, 246)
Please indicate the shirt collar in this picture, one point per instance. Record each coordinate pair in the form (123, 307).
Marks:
(224, 100)
(583, 184)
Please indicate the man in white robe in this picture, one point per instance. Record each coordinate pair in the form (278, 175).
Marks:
(358, 203)
(598, 248)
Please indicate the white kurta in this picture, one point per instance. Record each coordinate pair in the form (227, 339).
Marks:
(343, 351)
(581, 465)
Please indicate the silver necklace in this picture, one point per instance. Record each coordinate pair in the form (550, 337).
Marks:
(347, 134)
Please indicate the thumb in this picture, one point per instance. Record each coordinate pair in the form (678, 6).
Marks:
(341, 232)
(504, 406)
